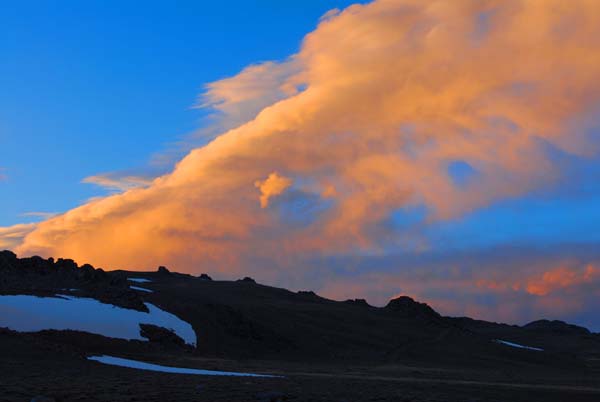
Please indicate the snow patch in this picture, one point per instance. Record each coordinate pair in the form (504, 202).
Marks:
(516, 345)
(139, 280)
(141, 289)
(27, 313)
(117, 361)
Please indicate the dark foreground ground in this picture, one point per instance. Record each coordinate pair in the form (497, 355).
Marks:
(37, 364)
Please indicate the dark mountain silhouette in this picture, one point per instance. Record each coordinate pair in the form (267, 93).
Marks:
(557, 327)
(244, 321)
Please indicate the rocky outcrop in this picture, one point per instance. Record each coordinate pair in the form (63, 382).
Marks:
(357, 302)
(205, 277)
(407, 307)
(44, 277)
(161, 335)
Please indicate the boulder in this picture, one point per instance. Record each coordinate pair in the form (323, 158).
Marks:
(309, 294)
(160, 335)
(205, 277)
(407, 307)
(357, 302)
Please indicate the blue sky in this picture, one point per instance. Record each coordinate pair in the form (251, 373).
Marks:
(94, 87)
(99, 86)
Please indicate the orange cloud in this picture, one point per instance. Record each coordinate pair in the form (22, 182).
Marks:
(562, 278)
(270, 187)
(366, 118)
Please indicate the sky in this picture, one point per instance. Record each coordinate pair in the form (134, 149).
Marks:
(444, 150)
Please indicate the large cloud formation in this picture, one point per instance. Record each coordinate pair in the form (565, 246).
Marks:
(365, 120)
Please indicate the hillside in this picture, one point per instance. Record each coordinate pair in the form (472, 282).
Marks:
(243, 325)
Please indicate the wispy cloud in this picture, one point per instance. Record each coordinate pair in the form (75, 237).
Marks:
(3, 175)
(40, 215)
(11, 236)
(115, 182)
(239, 99)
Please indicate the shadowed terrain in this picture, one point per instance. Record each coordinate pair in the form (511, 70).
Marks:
(325, 350)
